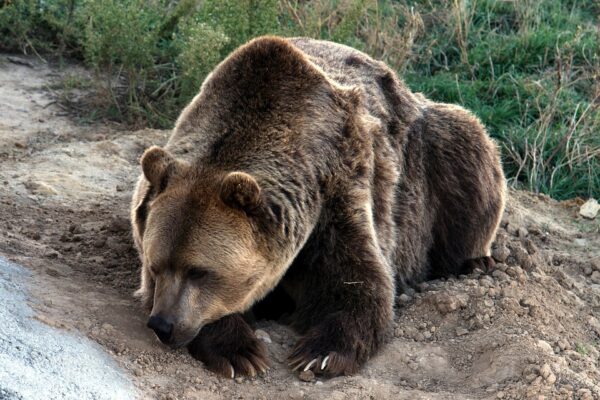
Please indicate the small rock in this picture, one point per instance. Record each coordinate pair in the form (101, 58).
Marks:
(589, 209)
(118, 225)
(522, 232)
(587, 270)
(500, 253)
(545, 371)
(445, 303)
(544, 346)
(522, 258)
(584, 394)
(563, 345)
(262, 335)
(595, 277)
(501, 276)
(239, 379)
(307, 376)
(40, 188)
(461, 331)
(404, 298)
(530, 246)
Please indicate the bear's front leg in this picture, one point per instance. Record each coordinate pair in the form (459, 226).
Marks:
(229, 347)
(347, 306)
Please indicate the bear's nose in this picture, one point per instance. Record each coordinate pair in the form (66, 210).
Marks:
(161, 327)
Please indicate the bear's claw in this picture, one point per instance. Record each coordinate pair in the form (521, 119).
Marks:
(333, 364)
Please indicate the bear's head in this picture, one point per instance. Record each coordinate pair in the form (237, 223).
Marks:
(206, 247)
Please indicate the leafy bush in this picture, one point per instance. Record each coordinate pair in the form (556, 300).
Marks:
(200, 48)
(529, 69)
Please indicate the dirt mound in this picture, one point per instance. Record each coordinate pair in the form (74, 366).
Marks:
(530, 328)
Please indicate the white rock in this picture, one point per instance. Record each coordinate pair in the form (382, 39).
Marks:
(589, 209)
(545, 346)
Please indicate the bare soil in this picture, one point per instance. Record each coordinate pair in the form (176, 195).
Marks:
(530, 329)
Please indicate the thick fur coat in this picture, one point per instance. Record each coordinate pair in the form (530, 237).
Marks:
(306, 174)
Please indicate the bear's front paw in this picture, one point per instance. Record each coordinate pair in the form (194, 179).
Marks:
(229, 348)
(331, 349)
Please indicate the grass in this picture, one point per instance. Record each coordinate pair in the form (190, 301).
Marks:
(530, 69)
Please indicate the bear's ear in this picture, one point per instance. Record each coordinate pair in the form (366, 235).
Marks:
(241, 191)
(157, 165)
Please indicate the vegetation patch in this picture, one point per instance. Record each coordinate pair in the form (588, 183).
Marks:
(529, 69)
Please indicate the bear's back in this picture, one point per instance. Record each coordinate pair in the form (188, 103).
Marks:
(385, 96)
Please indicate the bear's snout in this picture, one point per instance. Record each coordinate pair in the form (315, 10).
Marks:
(162, 328)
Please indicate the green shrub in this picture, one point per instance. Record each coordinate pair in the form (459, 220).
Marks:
(199, 50)
(35, 25)
(530, 69)
(240, 20)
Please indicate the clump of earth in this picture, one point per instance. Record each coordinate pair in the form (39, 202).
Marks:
(529, 329)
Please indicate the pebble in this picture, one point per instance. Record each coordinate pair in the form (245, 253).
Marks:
(546, 373)
(307, 376)
(563, 345)
(461, 331)
(522, 232)
(404, 298)
(544, 346)
(595, 277)
(584, 394)
(500, 253)
(589, 209)
(501, 276)
(445, 303)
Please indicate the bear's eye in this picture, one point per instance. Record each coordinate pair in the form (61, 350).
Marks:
(196, 273)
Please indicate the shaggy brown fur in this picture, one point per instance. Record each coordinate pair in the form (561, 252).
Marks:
(307, 170)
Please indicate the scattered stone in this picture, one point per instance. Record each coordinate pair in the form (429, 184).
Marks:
(461, 331)
(501, 276)
(595, 277)
(262, 335)
(522, 232)
(118, 225)
(404, 298)
(307, 376)
(563, 345)
(589, 209)
(530, 246)
(500, 253)
(523, 259)
(545, 346)
(584, 394)
(446, 303)
(40, 188)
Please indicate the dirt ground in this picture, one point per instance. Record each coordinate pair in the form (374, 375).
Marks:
(531, 329)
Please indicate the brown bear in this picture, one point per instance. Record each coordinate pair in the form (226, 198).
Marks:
(305, 174)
